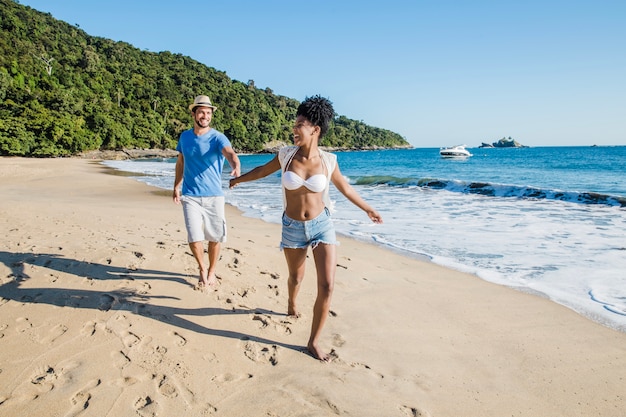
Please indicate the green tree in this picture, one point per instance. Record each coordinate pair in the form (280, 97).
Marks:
(63, 91)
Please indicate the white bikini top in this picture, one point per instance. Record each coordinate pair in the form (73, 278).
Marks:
(293, 181)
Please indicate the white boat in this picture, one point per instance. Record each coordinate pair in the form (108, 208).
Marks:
(457, 151)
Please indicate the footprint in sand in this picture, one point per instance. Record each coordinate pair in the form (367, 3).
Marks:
(146, 406)
(257, 353)
(180, 340)
(80, 400)
(235, 262)
(271, 274)
(243, 292)
(235, 251)
(89, 328)
(414, 412)
(167, 387)
(106, 302)
(54, 333)
(338, 340)
(130, 339)
(266, 320)
(23, 324)
(274, 289)
(228, 378)
(126, 381)
(120, 360)
(145, 288)
(44, 378)
(366, 367)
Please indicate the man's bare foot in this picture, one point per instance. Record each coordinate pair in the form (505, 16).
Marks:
(317, 352)
(212, 280)
(203, 281)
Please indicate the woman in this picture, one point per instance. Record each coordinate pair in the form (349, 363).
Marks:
(306, 174)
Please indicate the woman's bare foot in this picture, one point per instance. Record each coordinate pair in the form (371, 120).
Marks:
(317, 352)
(203, 281)
(292, 312)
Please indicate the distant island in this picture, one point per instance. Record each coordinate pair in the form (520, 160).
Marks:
(503, 143)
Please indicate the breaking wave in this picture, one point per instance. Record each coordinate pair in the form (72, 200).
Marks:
(493, 190)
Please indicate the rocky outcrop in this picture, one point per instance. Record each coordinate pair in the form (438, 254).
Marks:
(503, 143)
(129, 154)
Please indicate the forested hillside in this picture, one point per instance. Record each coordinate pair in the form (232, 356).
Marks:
(63, 91)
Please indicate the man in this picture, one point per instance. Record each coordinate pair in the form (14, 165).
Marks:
(202, 151)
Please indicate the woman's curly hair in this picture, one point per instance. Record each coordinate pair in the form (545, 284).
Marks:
(317, 110)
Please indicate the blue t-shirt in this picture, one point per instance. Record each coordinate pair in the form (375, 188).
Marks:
(202, 175)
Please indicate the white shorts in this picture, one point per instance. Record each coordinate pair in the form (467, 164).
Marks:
(204, 218)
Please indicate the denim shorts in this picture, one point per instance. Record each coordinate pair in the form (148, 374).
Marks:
(301, 234)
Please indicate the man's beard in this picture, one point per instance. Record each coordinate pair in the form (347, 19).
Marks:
(202, 123)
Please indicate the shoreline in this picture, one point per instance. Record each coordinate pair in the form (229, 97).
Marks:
(97, 267)
(612, 322)
(270, 148)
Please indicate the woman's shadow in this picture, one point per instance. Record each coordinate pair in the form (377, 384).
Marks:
(133, 301)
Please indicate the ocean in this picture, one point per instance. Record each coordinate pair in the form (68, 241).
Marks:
(545, 220)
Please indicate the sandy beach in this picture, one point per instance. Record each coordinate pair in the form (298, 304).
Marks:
(98, 317)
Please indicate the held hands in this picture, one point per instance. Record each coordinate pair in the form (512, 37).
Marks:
(235, 173)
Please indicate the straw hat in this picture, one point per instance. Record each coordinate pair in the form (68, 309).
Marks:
(202, 101)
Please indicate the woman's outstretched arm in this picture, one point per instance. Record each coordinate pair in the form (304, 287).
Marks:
(346, 189)
(258, 172)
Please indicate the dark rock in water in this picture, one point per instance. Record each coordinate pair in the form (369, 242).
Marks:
(504, 143)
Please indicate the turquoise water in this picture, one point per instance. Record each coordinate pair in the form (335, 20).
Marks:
(550, 220)
(589, 174)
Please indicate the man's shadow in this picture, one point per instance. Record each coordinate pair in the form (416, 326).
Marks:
(133, 301)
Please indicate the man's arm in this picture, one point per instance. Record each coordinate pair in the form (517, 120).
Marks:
(233, 161)
(178, 179)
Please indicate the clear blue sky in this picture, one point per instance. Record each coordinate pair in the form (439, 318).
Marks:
(438, 72)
